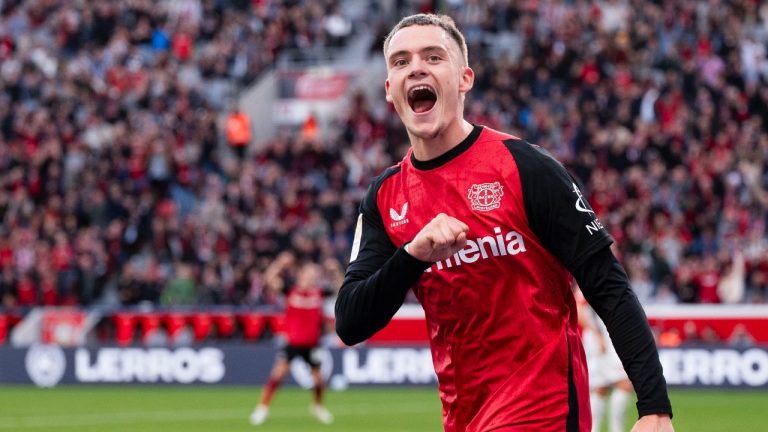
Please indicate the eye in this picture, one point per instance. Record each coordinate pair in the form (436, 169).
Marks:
(434, 58)
(399, 62)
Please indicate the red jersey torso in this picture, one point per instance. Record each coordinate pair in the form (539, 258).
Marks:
(304, 317)
(500, 313)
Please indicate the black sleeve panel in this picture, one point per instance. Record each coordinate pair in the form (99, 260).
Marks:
(557, 213)
(565, 224)
(606, 287)
(378, 276)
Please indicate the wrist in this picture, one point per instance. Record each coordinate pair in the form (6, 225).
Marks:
(658, 417)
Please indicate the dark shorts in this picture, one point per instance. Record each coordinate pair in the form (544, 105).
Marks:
(306, 353)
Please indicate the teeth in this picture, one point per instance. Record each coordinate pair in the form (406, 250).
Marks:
(419, 87)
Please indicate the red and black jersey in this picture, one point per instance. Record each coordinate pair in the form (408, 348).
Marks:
(304, 317)
(501, 316)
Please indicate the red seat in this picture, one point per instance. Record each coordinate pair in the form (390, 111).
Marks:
(277, 324)
(253, 326)
(150, 323)
(225, 324)
(124, 328)
(201, 325)
(175, 323)
(3, 329)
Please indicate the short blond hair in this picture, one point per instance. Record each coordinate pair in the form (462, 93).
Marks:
(443, 21)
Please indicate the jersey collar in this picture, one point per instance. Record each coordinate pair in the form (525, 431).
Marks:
(450, 154)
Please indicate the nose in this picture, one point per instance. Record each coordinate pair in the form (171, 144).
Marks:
(416, 68)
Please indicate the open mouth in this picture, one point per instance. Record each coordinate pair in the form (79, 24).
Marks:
(422, 98)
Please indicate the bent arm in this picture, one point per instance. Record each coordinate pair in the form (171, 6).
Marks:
(376, 283)
(368, 299)
(378, 277)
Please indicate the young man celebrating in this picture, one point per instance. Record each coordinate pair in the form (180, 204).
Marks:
(485, 228)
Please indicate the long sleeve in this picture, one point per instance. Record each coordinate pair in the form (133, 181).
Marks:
(567, 226)
(378, 277)
(368, 301)
(606, 287)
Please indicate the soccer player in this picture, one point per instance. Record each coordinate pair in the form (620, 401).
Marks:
(606, 373)
(303, 327)
(487, 230)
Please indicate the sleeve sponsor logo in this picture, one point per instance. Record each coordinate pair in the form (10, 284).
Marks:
(582, 206)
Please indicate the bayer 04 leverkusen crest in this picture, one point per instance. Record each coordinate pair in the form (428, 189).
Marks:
(486, 196)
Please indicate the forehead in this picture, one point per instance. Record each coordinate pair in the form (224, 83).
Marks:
(417, 37)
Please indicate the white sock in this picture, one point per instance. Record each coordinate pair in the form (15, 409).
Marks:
(618, 409)
(598, 408)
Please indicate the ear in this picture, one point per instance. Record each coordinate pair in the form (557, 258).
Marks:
(467, 79)
(386, 90)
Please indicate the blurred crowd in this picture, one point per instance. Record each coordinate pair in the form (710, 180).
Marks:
(661, 110)
(116, 187)
(120, 185)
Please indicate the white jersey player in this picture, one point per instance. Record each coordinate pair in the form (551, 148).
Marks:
(607, 378)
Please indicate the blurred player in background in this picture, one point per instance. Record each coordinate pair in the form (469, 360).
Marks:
(487, 230)
(303, 328)
(606, 373)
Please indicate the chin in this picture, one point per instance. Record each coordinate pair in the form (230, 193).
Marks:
(425, 131)
(423, 128)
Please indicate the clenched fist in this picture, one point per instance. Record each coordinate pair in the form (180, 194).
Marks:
(442, 237)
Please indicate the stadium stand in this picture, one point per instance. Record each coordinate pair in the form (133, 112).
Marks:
(121, 193)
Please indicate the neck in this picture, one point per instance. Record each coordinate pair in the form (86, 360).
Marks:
(428, 148)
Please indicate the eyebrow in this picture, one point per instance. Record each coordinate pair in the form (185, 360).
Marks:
(422, 50)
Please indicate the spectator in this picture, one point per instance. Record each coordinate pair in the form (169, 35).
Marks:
(659, 113)
(182, 289)
(740, 337)
(709, 335)
(691, 333)
(669, 338)
(730, 288)
(90, 144)
(664, 296)
(707, 279)
(337, 26)
(238, 132)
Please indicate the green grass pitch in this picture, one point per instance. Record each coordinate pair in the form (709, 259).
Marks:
(195, 408)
